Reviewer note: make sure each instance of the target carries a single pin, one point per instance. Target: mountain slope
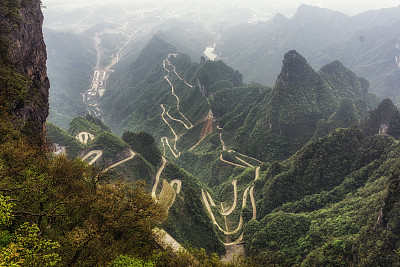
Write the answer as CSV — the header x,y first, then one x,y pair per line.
x,y
131,159
321,205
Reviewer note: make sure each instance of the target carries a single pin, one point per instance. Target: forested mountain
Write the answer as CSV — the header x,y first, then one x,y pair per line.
x,y
366,43
268,124
182,159
330,203
221,129
147,164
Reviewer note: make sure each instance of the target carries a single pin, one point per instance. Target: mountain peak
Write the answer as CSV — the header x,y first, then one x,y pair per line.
x,y
310,13
333,66
299,99
294,67
344,81
292,55
279,18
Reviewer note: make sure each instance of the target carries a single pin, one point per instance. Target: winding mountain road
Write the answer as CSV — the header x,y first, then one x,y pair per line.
x,y
153,191
185,121
166,77
133,154
98,154
231,163
233,151
164,139
84,137
248,191
178,120
178,184
228,212
207,204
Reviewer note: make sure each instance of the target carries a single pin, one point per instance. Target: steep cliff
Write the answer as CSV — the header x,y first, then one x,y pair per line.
x,y
24,82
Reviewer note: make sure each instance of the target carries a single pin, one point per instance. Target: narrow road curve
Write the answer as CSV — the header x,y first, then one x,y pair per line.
x,y
178,184
233,151
98,154
84,137
164,139
222,142
178,120
153,191
228,212
257,174
133,154
249,191
188,125
231,163
238,241
253,203
166,77
165,142
245,162
177,75
177,101
213,218
211,200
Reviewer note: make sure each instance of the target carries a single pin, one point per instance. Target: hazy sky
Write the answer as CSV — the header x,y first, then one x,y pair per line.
x,y
350,7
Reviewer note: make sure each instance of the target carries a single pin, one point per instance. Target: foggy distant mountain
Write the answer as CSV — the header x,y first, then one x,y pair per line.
x,y
366,43
70,64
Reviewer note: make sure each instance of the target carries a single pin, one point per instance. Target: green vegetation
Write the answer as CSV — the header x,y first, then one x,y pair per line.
x,y
187,220
13,86
92,222
384,119
109,143
345,116
87,124
315,218
327,195
144,144
144,167
128,261
306,204
56,135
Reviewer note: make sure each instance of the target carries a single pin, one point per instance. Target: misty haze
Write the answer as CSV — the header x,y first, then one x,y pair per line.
x,y
199,133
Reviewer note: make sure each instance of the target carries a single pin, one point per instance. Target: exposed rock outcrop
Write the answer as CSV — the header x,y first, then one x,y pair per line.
x,y
27,55
385,119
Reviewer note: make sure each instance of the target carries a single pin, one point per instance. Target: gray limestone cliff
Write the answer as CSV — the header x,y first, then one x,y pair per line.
x,y
21,22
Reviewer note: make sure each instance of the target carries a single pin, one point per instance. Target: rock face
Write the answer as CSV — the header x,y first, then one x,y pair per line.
x,y
385,119
27,55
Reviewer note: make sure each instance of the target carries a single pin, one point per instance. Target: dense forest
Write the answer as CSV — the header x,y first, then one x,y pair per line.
x,y
304,173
